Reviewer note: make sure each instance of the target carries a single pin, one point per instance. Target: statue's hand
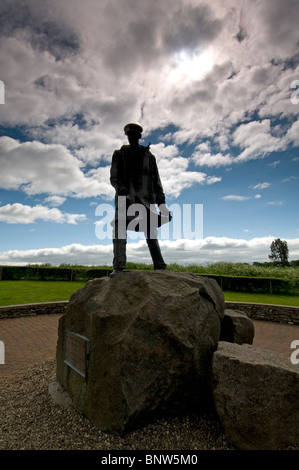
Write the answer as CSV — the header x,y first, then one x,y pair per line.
x,y
164,211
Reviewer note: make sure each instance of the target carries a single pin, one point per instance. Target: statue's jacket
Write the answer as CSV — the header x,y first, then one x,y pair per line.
x,y
134,174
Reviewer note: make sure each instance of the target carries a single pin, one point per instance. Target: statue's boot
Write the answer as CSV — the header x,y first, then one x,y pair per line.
x,y
120,258
156,254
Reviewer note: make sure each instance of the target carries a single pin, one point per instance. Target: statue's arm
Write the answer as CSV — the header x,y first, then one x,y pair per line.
x,y
117,174
158,188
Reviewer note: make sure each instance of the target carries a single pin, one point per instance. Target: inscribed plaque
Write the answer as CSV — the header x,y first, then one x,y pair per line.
x,y
76,352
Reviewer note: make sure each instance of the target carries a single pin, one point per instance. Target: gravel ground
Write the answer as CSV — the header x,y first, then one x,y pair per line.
x,y
31,420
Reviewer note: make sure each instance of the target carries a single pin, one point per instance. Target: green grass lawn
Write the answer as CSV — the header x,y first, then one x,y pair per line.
x,y
291,300
25,292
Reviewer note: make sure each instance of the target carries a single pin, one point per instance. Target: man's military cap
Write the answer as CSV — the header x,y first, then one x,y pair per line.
x,y
133,128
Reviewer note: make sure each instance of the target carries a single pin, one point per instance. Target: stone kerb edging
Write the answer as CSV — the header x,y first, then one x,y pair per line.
x,y
26,310
265,312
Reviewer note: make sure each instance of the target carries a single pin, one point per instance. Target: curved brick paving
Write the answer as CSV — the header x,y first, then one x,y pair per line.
x,y
32,340
28,341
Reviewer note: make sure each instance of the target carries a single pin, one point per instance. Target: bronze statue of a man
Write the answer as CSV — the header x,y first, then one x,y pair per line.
x,y
135,177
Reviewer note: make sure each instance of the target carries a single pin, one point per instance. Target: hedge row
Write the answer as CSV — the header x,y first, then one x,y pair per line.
x,y
28,273
227,283
257,285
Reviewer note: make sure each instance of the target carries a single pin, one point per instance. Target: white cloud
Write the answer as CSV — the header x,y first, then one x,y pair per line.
x,y
262,186
257,140
274,164
55,200
293,132
23,214
290,178
184,252
275,203
207,159
213,179
174,171
162,151
234,197
39,168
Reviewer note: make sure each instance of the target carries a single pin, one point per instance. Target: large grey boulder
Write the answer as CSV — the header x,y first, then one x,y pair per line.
x,y
151,337
256,395
236,327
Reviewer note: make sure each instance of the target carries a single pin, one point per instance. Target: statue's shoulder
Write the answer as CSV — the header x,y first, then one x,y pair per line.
x,y
146,149
120,152
124,149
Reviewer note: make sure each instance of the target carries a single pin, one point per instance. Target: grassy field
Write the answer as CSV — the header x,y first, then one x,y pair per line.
x,y
27,292
24,292
291,300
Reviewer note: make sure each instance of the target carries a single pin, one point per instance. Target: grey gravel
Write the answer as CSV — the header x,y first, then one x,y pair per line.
x,y
31,420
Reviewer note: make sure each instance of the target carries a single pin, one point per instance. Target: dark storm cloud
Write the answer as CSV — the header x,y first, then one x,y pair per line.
x,y
33,22
190,27
144,36
280,20
201,66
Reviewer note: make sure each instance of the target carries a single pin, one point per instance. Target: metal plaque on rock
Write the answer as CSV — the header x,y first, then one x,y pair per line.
x,y
76,352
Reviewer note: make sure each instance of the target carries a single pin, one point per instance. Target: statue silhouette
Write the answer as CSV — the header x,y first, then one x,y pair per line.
x,y
134,175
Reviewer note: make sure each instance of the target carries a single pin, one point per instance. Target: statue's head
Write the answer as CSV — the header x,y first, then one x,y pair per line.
x,y
133,132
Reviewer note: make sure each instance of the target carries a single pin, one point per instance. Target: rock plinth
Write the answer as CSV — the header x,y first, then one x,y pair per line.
x,y
256,395
151,337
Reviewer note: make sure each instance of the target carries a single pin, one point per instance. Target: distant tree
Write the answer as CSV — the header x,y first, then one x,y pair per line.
x,y
279,252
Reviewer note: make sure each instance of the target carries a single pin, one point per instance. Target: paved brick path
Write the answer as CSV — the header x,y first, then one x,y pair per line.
x,y
31,340
28,341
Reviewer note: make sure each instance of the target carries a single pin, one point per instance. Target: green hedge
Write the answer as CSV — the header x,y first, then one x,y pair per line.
x,y
15,273
256,285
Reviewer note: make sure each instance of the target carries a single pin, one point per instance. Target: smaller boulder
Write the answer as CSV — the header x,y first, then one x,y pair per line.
x,y
255,393
236,327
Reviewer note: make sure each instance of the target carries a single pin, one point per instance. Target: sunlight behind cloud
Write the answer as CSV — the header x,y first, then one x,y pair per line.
x,y
190,66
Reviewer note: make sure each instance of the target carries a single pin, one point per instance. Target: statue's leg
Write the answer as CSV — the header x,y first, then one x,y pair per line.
x,y
155,252
151,235
119,252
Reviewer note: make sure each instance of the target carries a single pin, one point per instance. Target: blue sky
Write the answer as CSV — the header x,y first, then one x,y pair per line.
x,y
214,85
